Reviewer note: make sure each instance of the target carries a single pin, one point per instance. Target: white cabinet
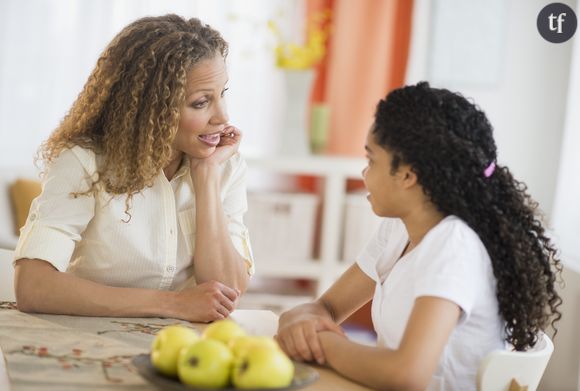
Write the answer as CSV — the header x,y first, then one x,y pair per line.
x,y
332,174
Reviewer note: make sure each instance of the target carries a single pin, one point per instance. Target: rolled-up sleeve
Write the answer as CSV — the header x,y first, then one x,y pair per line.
x,y
57,218
235,206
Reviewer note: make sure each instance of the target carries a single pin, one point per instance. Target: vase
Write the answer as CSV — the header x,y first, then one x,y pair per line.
x,y
294,140
319,121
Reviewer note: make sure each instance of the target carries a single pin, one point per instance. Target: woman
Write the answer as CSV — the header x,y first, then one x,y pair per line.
x,y
144,191
459,266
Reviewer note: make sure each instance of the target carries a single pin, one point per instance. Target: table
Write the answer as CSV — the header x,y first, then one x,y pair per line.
x,y
66,353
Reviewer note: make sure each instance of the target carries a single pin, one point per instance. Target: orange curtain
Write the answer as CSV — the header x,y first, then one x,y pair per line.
x,y
366,58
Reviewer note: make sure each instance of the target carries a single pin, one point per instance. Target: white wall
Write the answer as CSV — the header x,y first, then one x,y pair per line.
x,y
526,102
566,216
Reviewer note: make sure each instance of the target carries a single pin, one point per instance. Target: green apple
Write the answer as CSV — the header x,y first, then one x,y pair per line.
x,y
262,367
239,344
205,364
223,330
166,346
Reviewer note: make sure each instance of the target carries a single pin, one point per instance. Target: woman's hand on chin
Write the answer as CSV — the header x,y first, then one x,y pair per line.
x,y
227,147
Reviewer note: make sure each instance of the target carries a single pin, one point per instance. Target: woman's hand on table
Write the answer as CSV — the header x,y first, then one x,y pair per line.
x,y
206,302
299,338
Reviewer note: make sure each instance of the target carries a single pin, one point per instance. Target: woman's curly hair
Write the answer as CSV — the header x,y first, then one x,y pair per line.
x,y
448,143
128,111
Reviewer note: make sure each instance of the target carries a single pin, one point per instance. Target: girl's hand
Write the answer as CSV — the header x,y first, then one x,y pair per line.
x,y
299,337
206,302
227,147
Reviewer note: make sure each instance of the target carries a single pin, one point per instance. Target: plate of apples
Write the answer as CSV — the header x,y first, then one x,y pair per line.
x,y
222,357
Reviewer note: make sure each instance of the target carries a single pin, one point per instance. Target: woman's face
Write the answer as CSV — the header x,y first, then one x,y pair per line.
x,y
385,189
203,115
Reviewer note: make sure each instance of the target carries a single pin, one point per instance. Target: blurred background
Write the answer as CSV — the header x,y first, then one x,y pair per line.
x,y
305,76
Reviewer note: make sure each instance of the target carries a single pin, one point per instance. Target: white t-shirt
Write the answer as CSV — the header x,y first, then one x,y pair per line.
x,y
450,262
87,236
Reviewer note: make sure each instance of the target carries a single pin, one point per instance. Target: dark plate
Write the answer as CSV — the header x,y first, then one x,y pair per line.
x,y
303,375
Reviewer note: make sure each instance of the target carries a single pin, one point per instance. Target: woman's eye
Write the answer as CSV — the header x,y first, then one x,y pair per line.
x,y
224,92
199,105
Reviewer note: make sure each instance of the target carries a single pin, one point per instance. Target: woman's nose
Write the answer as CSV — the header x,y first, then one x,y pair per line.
x,y
221,114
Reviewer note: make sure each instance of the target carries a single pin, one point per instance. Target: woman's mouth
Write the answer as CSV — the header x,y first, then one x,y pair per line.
x,y
211,140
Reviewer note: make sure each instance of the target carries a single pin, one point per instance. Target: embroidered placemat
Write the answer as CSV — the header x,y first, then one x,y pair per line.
x,y
70,352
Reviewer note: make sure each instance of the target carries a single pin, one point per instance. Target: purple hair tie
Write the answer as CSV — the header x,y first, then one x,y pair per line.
x,y
489,170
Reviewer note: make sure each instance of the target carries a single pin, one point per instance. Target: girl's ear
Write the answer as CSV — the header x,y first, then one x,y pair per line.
x,y
407,176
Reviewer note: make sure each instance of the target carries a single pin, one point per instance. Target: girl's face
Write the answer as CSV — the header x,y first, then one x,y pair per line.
x,y
386,190
203,116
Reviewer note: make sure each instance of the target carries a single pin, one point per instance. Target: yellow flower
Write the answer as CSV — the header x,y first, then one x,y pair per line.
x,y
297,57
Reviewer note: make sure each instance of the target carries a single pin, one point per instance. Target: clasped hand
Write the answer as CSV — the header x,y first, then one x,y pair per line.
x,y
298,337
207,302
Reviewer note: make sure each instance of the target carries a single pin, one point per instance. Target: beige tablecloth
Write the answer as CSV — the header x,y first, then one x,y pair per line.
x,y
61,352
70,353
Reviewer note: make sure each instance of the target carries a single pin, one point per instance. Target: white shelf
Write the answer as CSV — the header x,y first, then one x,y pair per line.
x,y
334,172
312,165
290,269
311,269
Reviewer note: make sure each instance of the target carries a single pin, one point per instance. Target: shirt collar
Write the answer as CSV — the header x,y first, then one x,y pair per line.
x,y
183,167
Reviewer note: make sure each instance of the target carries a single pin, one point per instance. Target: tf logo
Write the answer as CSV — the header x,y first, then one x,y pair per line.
x,y
557,23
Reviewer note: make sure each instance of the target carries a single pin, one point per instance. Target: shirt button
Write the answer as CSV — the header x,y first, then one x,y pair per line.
x,y
171,231
33,217
170,268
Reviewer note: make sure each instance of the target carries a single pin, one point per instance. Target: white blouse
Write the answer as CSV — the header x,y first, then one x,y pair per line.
x,y
90,237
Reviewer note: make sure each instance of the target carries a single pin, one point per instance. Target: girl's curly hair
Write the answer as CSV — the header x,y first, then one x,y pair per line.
x,y
128,111
448,143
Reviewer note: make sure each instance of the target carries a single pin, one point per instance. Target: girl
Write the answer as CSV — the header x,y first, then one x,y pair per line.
x,y
459,265
144,192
